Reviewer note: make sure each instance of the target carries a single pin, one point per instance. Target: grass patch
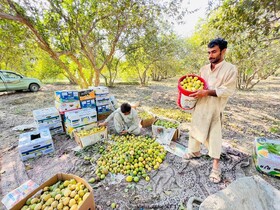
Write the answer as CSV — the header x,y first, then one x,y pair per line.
x,y
275,128
174,114
127,83
18,111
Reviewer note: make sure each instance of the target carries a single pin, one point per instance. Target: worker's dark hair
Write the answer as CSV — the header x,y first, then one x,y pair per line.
x,y
125,107
220,42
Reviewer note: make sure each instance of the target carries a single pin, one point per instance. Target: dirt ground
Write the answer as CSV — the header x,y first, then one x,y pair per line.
x,y
249,114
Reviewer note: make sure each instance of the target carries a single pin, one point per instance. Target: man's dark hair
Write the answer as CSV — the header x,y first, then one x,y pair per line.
x,y
220,42
125,107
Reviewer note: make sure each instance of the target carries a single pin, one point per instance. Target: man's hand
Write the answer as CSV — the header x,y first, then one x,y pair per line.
x,y
102,124
124,132
199,94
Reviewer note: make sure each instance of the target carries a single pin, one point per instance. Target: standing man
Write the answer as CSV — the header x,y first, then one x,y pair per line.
x,y
206,125
125,120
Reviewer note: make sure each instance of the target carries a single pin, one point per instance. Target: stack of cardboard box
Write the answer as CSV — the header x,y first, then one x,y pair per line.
x,y
48,118
71,105
67,100
103,102
87,99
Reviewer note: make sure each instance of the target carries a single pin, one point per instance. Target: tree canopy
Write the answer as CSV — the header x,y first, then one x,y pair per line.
x,y
86,33
252,31
133,39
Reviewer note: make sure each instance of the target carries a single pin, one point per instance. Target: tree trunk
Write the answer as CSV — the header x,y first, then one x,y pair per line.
x,y
72,82
105,79
97,78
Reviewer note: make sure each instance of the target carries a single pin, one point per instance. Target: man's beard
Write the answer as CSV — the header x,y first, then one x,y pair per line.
x,y
216,60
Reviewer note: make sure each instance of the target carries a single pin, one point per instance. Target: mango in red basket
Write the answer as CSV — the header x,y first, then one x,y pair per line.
x,y
191,83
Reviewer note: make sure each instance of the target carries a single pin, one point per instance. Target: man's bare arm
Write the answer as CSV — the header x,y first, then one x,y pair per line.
x,y
203,93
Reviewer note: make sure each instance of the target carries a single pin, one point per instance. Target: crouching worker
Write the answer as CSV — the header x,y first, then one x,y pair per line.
x,y
125,120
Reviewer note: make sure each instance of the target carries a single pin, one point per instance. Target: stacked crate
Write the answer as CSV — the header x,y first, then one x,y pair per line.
x,y
87,99
71,105
48,118
102,100
67,100
79,118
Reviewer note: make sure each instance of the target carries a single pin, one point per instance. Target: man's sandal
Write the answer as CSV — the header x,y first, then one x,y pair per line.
x,y
191,155
215,176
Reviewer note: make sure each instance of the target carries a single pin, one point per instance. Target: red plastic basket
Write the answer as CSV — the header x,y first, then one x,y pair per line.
x,y
187,92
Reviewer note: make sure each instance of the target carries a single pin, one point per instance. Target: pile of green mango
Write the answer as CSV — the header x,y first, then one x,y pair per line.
x,y
166,124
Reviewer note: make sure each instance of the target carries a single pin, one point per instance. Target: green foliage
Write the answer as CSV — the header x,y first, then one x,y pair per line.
x,y
128,73
45,68
275,128
195,56
88,33
13,47
252,29
154,55
170,61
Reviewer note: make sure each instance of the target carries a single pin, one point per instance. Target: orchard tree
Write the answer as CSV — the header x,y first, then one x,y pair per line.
x,y
171,60
45,68
111,71
252,28
86,33
195,47
13,46
152,51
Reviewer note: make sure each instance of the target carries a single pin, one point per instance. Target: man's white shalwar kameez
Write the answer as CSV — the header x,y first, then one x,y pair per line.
x,y
122,122
206,126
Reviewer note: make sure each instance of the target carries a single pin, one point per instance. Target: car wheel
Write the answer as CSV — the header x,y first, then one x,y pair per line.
x,y
34,87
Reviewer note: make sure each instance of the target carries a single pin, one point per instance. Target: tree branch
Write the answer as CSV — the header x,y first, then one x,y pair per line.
x,y
10,17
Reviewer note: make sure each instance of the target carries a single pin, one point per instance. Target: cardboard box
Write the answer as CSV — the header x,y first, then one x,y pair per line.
x,y
66,95
55,128
69,129
86,94
160,130
49,121
147,122
46,116
102,101
19,193
35,143
266,161
101,95
88,104
103,109
90,139
67,106
88,203
100,90
113,103
80,117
